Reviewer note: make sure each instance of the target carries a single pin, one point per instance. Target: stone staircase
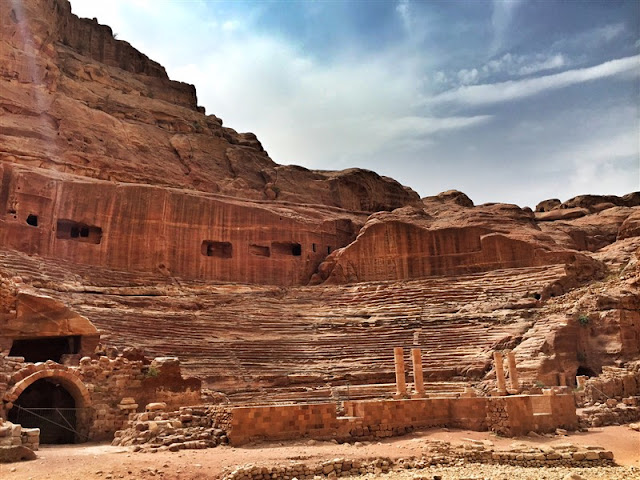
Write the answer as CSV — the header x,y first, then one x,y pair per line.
x,y
299,343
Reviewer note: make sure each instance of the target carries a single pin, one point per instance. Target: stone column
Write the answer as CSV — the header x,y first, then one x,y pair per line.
x,y
562,379
401,384
418,379
581,380
513,371
497,358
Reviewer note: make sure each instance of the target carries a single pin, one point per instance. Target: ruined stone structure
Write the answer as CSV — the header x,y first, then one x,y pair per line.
x,y
85,402
130,217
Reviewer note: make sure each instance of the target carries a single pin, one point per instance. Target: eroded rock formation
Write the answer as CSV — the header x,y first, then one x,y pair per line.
x,y
128,212
77,100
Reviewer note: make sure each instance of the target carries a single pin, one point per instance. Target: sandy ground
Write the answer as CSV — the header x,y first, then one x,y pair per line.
x,y
101,461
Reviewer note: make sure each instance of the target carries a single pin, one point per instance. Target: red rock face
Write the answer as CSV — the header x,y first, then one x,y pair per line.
x,y
456,239
77,100
144,228
130,207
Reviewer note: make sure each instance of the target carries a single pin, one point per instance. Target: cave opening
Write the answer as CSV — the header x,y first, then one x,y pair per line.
x,y
210,248
32,220
49,406
259,250
287,248
45,348
585,371
70,230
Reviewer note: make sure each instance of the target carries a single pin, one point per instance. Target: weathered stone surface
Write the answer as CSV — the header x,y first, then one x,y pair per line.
x,y
104,110
561,214
630,227
124,206
16,453
591,202
590,232
548,205
410,243
450,196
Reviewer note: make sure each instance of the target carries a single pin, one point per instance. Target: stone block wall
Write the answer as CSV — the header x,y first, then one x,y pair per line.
x,y
509,416
159,429
611,412
107,390
280,422
12,434
436,454
612,383
519,414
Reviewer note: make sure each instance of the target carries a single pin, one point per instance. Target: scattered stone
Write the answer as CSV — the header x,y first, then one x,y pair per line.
x,y
16,453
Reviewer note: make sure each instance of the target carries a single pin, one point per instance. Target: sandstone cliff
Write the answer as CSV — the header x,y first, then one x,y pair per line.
x,y
77,100
124,207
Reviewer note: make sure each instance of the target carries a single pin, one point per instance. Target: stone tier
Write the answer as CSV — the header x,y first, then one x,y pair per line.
x,y
242,339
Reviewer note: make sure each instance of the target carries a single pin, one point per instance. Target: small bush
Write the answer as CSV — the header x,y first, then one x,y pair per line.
x,y
151,372
583,319
539,384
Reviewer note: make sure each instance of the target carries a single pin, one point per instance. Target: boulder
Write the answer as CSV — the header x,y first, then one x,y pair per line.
x,y
16,453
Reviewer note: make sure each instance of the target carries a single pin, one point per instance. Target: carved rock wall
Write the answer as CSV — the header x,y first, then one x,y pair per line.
x,y
136,227
144,228
393,250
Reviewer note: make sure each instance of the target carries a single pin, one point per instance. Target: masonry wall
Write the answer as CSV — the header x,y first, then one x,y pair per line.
x,y
510,416
519,414
283,422
107,390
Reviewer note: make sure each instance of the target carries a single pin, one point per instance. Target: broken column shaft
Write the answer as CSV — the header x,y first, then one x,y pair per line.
x,y
513,372
499,366
401,384
418,378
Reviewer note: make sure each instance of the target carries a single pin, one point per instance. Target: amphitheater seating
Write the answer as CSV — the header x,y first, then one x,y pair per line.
x,y
306,343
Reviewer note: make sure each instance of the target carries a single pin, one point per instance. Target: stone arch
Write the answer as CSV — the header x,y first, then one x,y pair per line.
x,y
67,379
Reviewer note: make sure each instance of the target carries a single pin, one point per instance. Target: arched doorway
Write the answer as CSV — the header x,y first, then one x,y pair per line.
x,y
48,405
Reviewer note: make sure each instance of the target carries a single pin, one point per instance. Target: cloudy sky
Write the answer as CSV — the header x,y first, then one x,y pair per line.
x,y
506,100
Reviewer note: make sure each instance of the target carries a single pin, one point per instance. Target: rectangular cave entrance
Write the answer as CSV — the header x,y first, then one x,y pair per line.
x,y
70,230
287,248
210,248
259,250
45,348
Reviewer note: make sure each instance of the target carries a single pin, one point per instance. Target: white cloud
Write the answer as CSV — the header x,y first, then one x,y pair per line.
x,y
518,89
522,65
550,63
591,39
405,15
503,11
373,109
508,65
613,164
468,77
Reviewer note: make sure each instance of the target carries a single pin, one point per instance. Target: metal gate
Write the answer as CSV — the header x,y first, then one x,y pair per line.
x,y
57,425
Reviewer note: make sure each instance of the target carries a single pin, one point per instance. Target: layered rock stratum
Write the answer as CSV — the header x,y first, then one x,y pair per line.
x,y
125,206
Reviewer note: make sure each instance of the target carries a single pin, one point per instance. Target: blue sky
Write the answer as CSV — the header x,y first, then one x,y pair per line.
x,y
513,101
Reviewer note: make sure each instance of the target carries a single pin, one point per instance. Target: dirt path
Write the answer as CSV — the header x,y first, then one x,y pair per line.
x,y
99,461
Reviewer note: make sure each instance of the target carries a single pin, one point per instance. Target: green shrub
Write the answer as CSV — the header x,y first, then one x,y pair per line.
x,y
583,319
151,372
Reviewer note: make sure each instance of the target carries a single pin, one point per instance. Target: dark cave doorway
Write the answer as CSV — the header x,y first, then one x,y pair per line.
x,y
45,348
585,371
49,406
